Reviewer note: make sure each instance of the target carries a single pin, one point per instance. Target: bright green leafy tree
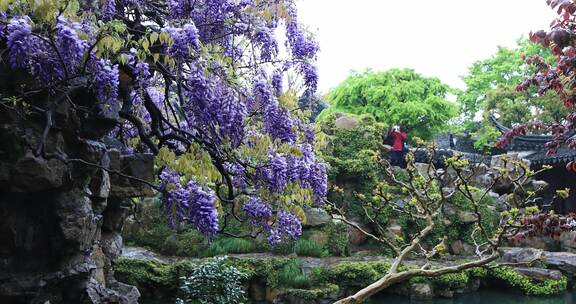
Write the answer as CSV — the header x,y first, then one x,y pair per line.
x,y
491,87
395,97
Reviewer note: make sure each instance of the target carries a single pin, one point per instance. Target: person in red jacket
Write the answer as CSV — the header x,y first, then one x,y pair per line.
x,y
398,137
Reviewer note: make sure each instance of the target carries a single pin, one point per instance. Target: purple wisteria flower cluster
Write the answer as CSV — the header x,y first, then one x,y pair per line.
x,y
305,170
196,74
189,203
54,62
287,226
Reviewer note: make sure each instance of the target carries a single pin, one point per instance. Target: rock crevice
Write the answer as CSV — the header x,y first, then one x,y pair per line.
x,y
62,220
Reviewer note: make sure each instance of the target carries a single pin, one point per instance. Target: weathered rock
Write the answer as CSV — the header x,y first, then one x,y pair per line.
x,y
462,215
539,274
272,294
460,248
425,170
121,293
316,217
319,237
78,223
467,217
395,228
346,122
61,221
449,175
33,174
539,185
356,236
257,290
482,176
524,256
337,219
563,261
100,185
568,241
539,242
137,165
444,293
421,291
502,202
507,162
493,195
115,215
472,286
100,261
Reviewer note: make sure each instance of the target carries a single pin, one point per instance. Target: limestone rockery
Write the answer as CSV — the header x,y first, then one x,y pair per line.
x,y
62,208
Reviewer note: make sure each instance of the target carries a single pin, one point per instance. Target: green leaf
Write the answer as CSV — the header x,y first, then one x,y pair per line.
x,y
153,37
123,59
164,37
145,43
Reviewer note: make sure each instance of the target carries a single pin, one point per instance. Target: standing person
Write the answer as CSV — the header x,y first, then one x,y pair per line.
x,y
397,154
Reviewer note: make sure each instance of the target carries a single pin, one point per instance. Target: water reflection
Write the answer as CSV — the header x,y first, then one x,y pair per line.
x,y
483,297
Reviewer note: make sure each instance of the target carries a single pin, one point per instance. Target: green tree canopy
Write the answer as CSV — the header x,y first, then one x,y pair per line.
x,y
491,87
395,97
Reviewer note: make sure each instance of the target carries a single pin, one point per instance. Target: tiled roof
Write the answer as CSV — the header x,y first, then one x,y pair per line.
x,y
562,156
536,143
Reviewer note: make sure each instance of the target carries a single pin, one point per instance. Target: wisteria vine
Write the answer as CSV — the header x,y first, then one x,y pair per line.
x,y
198,83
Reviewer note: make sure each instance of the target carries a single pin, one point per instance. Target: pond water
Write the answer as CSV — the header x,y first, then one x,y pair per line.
x,y
480,297
483,297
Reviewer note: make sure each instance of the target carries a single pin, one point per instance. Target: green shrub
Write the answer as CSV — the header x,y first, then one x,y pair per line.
x,y
352,163
313,294
151,230
338,239
291,275
192,244
525,284
353,275
277,272
152,275
213,282
309,248
284,248
477,272
235,245
456,230
451,281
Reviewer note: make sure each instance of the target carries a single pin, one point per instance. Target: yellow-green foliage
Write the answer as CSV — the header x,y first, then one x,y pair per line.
x,y
525,284
338,239
352,155
456,229
287,274
356,275
395,97
350,151
450,281
151,274
277,272
352,275
315,293
153,233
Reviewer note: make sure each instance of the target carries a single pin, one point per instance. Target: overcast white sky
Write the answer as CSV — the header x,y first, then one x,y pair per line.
x,y
440,38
